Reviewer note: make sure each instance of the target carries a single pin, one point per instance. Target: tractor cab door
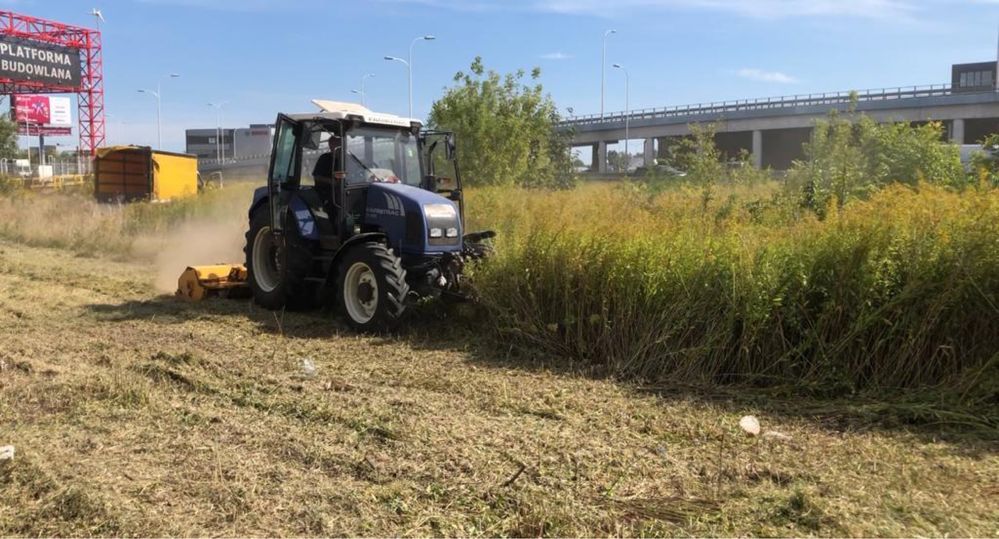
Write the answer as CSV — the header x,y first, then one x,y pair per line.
x,y
440,164
284,175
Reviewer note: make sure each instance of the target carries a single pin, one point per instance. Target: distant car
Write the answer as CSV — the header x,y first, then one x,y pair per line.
x,y
660,170
23,167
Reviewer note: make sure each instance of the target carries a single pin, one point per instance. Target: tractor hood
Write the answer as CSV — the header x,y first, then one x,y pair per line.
x,y
417,222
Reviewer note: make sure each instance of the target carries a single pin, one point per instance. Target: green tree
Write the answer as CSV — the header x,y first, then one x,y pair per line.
x,y
700,157
851,156
617,161
8,138
506,129
986,162
834,166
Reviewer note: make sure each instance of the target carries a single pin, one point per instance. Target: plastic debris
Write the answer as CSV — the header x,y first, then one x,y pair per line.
x,y
6,452
750,425
308,367
774,435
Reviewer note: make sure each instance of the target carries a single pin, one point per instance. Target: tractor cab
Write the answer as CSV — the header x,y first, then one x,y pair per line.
x,y
345,182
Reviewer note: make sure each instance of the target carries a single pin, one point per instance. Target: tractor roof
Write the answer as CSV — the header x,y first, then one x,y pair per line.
x,y
339,110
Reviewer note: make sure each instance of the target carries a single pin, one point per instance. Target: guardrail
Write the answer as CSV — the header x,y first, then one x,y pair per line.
x,y
764,103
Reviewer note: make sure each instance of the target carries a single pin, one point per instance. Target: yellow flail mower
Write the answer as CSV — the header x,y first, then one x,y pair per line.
x,y
222,280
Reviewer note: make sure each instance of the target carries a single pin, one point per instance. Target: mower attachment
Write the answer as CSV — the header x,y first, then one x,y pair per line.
x,y
223,280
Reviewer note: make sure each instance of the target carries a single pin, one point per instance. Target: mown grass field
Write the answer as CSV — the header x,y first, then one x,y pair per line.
x,y
135,414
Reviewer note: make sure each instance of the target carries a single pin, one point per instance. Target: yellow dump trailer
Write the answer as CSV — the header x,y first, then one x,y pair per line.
x,y
124,173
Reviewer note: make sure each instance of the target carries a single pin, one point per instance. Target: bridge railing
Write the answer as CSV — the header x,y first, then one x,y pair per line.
x,y
763,103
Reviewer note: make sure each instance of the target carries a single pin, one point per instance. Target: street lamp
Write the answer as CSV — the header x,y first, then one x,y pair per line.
x,y
404,62
409,66
365,76
627,114
159,112
98,17
219,148
603,68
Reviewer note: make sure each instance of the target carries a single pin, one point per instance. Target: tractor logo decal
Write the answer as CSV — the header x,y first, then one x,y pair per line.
x,y
305,222
393,207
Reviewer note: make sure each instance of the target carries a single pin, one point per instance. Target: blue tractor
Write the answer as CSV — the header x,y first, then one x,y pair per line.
x,y
361,210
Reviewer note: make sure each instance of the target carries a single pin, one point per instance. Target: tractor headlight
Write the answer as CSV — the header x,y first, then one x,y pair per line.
x,y
442,224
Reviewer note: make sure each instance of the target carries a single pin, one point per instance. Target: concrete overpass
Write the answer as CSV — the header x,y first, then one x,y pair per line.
x,y
774,129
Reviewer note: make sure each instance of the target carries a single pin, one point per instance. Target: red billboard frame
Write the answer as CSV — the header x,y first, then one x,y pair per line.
x,y
90,93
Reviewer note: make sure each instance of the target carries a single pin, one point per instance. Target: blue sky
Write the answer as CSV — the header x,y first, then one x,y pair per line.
x,y
265,56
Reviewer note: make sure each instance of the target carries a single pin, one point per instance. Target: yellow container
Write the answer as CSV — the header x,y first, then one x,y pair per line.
x,y
124,173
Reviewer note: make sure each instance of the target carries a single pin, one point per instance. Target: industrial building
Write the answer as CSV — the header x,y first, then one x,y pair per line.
x,y
243,150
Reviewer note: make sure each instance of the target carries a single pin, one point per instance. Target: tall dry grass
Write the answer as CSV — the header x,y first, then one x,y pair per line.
x,y
735,283
206,229
900,290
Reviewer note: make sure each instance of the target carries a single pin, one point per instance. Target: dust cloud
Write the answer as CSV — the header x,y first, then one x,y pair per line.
x,y
195,243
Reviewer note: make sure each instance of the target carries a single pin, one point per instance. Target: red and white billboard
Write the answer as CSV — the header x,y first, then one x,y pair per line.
x,y
42,114
43,110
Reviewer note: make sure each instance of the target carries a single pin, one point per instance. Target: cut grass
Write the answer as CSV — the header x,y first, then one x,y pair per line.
x,y
139,415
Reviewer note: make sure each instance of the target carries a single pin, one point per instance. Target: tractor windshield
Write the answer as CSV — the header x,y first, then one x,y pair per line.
x,y
381,155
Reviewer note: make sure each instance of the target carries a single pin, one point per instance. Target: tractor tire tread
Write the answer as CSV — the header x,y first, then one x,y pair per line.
x,y
392,275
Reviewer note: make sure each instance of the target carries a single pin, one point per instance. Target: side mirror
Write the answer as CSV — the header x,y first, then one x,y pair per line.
x,y
449,149
445,184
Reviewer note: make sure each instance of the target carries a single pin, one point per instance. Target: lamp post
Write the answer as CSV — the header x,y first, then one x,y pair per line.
x,y
603,68
219,133
627,114
159,111
404,62
98,17
409,66
363,77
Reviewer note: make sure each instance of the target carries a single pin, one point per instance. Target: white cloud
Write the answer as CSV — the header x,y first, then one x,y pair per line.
x,y
762,9
218,5
902,10
557,55
765,76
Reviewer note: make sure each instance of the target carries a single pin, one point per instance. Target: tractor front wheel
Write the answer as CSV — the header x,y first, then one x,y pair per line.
x,y
372,287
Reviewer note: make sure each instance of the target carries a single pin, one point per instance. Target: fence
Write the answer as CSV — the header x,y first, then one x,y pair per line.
x,y
53,182
61,167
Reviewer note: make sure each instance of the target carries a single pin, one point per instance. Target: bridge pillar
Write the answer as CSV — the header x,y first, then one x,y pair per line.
x,y
599,158
650,152
957,131
758,148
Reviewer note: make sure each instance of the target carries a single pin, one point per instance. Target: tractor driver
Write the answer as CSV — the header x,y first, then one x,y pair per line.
x,y
326,166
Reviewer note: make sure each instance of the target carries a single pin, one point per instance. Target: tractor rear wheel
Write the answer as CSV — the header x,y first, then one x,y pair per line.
x,y
372,287
277,273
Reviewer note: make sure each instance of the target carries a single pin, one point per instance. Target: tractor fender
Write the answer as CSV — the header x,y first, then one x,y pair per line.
x,y
297,208
350,242
260,197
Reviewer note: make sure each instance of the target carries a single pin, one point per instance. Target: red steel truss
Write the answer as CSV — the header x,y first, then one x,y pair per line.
x,y
90,93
